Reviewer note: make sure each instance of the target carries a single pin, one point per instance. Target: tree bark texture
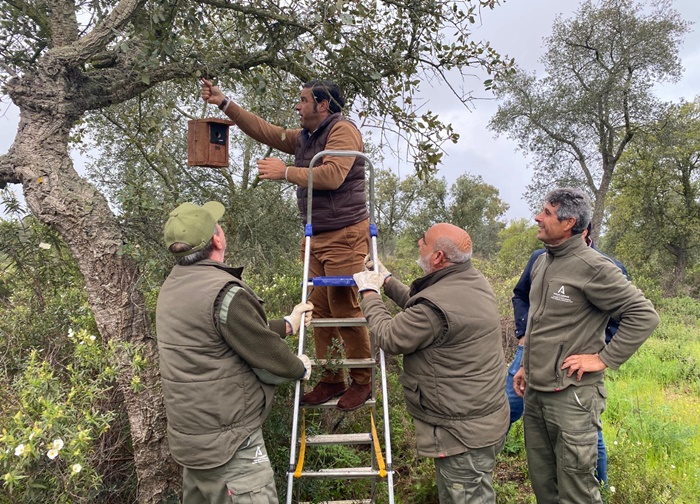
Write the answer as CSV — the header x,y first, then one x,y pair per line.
x,y
59,197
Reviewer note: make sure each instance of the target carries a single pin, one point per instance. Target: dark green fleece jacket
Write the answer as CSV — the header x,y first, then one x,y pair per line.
x,y
575,290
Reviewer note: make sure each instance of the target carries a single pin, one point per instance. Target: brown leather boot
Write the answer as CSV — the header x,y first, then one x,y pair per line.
x,y
323,392
355,396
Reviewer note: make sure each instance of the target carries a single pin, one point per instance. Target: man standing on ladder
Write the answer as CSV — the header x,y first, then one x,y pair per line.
x,y
454,369
340,220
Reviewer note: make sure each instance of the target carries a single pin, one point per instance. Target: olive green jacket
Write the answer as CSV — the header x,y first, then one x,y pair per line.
x,y
216,348
575,290
454,369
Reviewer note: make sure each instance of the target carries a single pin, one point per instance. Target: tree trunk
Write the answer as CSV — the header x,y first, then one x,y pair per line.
x,y
57,196
675,280
601,193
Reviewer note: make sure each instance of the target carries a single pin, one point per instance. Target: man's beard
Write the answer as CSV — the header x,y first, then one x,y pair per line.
x,y
424,264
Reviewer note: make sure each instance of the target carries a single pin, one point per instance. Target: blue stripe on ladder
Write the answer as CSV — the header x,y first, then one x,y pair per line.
x,y
333,281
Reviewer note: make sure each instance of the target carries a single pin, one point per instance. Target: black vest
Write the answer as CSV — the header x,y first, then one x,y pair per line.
x,y
331,209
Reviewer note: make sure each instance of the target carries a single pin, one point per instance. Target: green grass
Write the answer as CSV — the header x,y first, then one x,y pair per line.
x,y
651,425
652,422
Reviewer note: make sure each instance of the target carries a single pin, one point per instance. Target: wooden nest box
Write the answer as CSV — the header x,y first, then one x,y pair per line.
x,y
207,142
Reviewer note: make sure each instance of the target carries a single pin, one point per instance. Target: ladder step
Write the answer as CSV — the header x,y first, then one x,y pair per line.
x,y
333,404
339,322
332,439
332,281
345,363
342,473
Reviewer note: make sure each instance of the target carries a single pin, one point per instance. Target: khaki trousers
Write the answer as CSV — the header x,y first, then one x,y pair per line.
x,y
246,478
335,253
467,478
561,443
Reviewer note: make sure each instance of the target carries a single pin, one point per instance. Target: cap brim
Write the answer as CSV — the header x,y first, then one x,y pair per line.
x,y
215,208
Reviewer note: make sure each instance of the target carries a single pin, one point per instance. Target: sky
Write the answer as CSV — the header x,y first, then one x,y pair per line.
x,y
517,29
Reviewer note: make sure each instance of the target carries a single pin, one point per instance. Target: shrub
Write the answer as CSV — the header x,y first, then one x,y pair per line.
x,y
54,421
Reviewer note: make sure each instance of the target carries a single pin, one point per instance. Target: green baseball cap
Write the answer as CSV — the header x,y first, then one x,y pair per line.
x,y
193,225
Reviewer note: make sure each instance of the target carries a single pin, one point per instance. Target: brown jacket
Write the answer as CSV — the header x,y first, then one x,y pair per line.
x,y
338,182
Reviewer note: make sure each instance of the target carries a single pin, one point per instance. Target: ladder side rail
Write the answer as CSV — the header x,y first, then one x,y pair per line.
x,y
385,395
298,384
387,433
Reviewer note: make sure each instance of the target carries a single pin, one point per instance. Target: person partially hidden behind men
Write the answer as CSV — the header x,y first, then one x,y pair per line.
x,y
220,359
340,220
575,290
454,369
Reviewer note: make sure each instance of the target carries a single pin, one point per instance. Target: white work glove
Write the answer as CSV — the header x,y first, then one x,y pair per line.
x,y
294,318
368,280
307,366
383,272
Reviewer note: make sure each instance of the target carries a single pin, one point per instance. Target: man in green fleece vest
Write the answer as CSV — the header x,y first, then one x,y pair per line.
x,y
454,371
220,359
575,290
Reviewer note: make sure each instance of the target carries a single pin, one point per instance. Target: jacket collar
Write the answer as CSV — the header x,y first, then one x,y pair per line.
x,y
237,272
432,278
569,247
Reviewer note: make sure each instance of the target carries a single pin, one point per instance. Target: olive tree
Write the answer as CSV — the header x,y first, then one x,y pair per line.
x,y
655,217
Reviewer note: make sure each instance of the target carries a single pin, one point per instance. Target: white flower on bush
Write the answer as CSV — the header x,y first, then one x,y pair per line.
x,y
57,444
20,450
76,468
93,337
70,332
612,489
45,246
52,453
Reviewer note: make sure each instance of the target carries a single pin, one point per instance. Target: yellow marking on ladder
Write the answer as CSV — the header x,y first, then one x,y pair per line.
x,y
377,448
302,447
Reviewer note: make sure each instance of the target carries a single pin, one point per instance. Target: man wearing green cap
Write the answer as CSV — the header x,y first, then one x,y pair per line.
x,y
220,359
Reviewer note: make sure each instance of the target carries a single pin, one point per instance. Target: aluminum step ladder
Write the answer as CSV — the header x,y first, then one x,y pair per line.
x,y
380,468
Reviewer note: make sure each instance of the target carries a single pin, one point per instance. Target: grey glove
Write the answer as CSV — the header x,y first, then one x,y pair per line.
x,y
383,272
294,318
307,366
368,280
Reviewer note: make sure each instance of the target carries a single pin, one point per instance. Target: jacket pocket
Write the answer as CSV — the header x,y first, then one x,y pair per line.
x,y
253,488
557,367
411,392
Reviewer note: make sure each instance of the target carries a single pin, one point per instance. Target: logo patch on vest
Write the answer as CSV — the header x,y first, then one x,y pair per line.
x,y
560,295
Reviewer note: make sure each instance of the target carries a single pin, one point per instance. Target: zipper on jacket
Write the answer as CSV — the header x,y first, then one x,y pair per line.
x,y
557,371
540,308
545,287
